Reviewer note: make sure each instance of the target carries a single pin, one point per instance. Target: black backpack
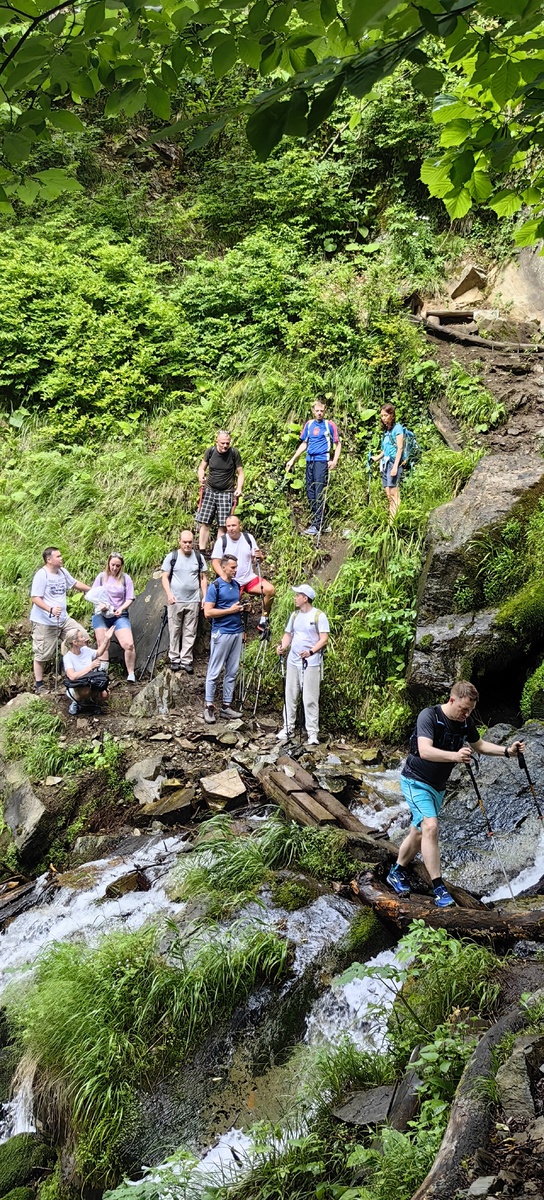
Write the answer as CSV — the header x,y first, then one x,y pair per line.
x,y
441,736
244,535
201,569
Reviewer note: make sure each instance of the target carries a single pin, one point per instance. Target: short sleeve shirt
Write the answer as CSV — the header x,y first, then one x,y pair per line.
x,y
185,581
319,435
222,595
118,589
446,735
52,587
76,662
242,550
222,468
389,441
306,629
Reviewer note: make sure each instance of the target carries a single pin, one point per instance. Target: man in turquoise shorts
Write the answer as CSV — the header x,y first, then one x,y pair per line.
x,y
444,735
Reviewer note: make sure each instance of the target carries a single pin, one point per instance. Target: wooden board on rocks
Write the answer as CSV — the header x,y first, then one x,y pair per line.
x,y
291,779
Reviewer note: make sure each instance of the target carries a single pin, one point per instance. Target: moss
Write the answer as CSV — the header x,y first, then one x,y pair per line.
x,y
20,1193
366,933
19,1158
326,856
426,641
532,697
293,893
523,614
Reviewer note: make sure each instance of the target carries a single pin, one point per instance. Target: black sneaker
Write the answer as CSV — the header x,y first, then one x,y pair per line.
x,y
39,688
175,666
442,897
397,880
188,670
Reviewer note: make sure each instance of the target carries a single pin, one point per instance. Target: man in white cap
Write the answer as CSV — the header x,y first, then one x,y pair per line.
x,y
306,635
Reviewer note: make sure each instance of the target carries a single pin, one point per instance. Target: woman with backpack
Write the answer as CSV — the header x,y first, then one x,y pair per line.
x,y
390,457
86,670
120,592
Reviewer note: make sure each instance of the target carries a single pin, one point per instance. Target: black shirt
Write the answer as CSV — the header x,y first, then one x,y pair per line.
x,y
222,468
445,734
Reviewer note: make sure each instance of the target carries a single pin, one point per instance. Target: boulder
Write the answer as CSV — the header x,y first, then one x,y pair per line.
x,y
158,697
24,812
147,791
134,881
145,768
507,329
514,1089
369,1107
146,619
22,1159
224,790
456,646
472,277
172,808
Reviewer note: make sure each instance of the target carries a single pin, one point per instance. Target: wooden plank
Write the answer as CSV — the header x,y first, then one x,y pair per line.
x,y
311,806
295,811
344,817
307,781
451,317
285,782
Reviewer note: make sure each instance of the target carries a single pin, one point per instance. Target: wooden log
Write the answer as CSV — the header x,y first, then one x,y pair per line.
x,y
479,924
286,783
451,316
471,1117
297,771
311,806
286,801
344,817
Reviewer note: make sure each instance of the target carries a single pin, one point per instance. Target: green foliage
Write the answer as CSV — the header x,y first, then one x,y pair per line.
x,y
324,853
20,1157
531,702
292,893
32,734
102,1022
328,1072
440,1063
523,614
20,1193
393,1169
471,401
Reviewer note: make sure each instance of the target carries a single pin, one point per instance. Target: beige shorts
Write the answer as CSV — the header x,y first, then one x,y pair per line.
x,y
44,637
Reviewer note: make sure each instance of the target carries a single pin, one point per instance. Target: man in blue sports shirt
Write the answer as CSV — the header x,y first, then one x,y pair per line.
x,y
316,441
223,607
445,734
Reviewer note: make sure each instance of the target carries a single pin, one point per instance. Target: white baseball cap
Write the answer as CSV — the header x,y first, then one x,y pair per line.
x,y
306,590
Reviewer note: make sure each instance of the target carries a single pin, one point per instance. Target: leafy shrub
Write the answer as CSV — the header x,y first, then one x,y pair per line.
x,y
470,400
32,734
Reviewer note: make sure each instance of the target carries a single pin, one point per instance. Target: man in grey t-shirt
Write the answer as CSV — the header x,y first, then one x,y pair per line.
x,y
48,616
185,583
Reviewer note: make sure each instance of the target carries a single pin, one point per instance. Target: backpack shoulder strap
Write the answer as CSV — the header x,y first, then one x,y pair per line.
x,y
173,562
248,538
223,543
124,587
201,563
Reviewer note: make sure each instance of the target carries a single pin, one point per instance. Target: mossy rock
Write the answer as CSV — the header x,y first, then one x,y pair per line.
x,y
366,933
19,1158
523,614
293,891
532,697
21,1193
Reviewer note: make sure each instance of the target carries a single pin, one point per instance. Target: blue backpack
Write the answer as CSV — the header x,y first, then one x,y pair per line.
x,y
411,452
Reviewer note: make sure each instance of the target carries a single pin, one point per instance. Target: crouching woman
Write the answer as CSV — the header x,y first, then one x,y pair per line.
x,y
86,675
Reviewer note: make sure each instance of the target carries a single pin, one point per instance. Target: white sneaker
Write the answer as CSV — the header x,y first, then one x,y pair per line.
x,y
312,742
131,678
283,736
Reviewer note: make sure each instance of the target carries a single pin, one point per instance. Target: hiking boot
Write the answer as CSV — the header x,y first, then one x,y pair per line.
x,y
131,678
209,714
175,666
442,897
39,688
227,711
74,709
311,531
397,880
312,742
188,670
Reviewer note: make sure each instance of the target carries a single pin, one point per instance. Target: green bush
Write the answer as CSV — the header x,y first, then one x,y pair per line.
x,y
533,688
20,1157
32,734
20,1193
471,401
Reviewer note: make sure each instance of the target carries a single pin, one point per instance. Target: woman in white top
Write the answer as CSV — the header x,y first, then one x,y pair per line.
x,y
78,661
120,591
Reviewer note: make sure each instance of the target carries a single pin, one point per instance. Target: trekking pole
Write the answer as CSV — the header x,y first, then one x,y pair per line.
x,y
369,474
301,726
283,688
323,503
258,565
523,765
57,659
262,654
489,829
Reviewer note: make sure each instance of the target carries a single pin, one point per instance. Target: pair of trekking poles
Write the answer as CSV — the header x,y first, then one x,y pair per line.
x,y
523,766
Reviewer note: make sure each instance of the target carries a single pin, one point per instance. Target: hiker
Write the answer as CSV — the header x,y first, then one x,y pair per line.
x,y
390,457
221,479
244,548
438,742
223,607
89,667
48,616
316,440
120,592
185,581
306,635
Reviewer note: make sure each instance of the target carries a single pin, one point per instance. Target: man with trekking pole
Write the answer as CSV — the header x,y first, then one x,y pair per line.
x,y
242,545
48,616
306,635
444,735
223,607
316,441
185,582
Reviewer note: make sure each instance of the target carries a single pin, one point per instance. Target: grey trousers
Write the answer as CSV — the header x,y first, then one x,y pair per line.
x,y
182,627
307,681
225,651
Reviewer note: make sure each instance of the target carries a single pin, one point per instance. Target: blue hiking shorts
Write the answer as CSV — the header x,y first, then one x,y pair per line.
x,y
100,621
423,799
387,479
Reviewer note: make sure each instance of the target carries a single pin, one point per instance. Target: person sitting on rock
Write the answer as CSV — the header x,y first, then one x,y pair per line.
x,y
243,546
86,681
316,440
120,591
444,735
223,607
49,619
185,581
221,479
306,635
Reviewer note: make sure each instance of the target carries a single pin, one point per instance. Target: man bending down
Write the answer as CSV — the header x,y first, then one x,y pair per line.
x,y
438,742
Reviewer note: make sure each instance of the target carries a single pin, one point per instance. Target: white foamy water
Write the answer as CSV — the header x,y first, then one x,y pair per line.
x,y
529,876
349,1011
17,1116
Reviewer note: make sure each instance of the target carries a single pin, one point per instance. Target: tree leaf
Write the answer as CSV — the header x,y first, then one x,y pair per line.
x,y
296,124
458,203
506,202
183,17
455,133
257,15
95,16
279,17
205,135
428,81
365,13
328,11
224,56
462,167
530,232
158,101
503,83
480,186
62,118
265,128
324,103
250,51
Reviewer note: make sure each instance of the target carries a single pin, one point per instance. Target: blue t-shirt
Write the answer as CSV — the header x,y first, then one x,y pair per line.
x,y
389,441
222,595
320,436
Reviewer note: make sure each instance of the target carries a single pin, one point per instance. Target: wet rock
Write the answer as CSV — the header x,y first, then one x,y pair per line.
x,y
406,1101
507,329
24,812
173,807
145,768
21,1158
147,791
158,697
514,1089
472,277
369,1107
455,645
224,790
483,1186
134,881
92,845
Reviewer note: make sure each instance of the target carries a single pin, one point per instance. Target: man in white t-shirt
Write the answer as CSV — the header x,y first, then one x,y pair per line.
x,y
185,582
244,548
306,635
49,619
